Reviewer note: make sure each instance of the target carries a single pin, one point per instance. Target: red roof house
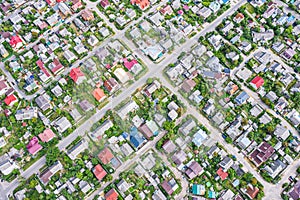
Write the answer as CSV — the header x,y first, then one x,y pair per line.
x,y
129,64
77,75
223,175
41,66
51,2
105,156
257,82
166,10
111,195
57,66
47,135
10,100
33,146
99,172
99,94
15,42
142,4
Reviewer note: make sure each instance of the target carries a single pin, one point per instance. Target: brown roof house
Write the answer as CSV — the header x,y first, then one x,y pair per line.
x,y
188,85
46,175
262,153
105,156
193,170
252,191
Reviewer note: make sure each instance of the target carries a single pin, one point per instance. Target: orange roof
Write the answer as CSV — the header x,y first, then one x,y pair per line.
x,y
111,195
141,3
47,135
99,94
105,156
99,172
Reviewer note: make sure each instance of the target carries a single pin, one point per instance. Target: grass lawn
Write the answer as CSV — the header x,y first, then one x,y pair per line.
x,y
250,8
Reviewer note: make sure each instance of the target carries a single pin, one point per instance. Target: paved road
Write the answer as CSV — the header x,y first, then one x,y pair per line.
x,y
155,70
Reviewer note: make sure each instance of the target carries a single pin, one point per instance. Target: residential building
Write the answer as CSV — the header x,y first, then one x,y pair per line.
x,y
46,175
262,153
33,146
62,124
99,172
105,155
77,149
77,75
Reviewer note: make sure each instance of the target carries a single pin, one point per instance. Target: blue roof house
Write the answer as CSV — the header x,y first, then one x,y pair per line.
x,y
242,98
136,138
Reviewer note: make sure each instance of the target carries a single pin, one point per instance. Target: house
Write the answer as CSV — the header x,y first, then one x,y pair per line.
x,y
76,4
288,54
28,113
282,132
142,4
252,191
6,164
104,4
33,146
227,27
56,67
172,115
3,87
16,42
77,149
77,76
263,36
69,56
215,6
151,88
215,41
99,95
238,18
262,153
123,186
242,98
158,195
205,12
87,15
99,132
111,85
271,96
188,85
136,138
295,191
275,168
228,195
187,126
257,82
167,10
294,116
99,172
198,189
126,149
127,108
47,135
199,137
122,75
169,186
43,102
169,146
179,157
193,170
3,52
84,186
62,124
10,100
46,175
245,46
226,163
111,195
223,175
64,9
105,156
